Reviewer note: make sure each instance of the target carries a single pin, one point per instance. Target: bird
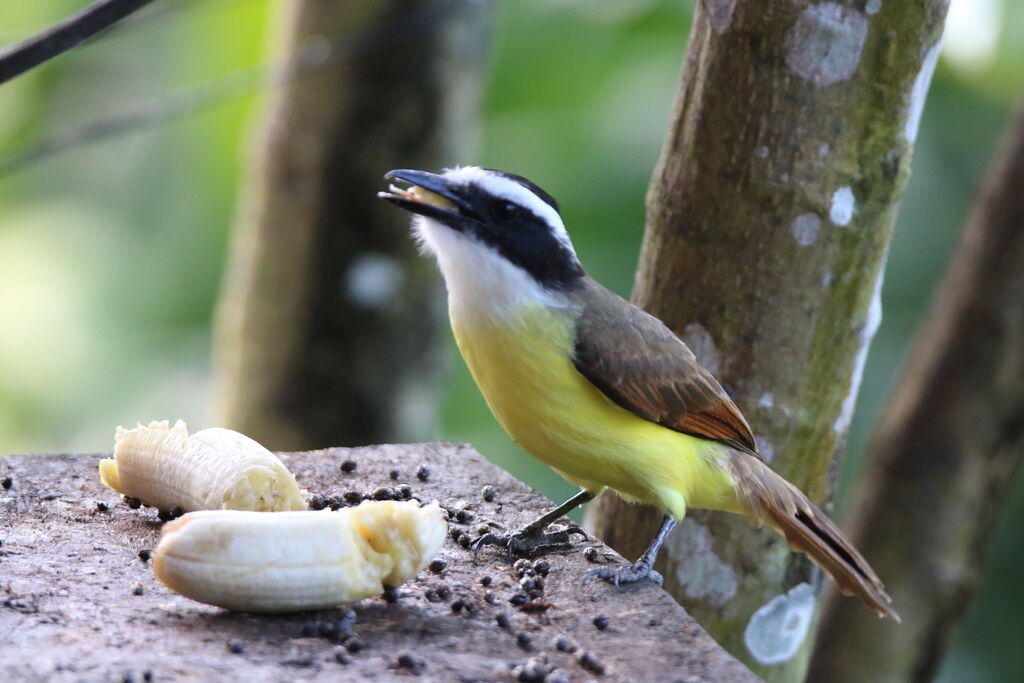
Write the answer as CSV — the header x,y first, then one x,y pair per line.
x,y
593,386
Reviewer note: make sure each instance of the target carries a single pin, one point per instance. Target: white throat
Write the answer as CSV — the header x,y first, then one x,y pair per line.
x,y
481,283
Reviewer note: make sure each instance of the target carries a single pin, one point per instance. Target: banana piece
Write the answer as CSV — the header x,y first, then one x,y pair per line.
x,y
212,469
290,561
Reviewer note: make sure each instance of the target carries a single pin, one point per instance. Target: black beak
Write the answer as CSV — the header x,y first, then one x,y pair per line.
x,y
455,212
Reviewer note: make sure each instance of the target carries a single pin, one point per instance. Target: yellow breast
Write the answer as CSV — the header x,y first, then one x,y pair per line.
x,y
522,363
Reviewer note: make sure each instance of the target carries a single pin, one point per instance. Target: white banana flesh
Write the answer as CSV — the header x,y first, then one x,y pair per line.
x,y
213,469
291,561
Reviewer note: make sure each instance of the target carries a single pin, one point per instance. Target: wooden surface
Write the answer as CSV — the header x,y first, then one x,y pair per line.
x,y
69,574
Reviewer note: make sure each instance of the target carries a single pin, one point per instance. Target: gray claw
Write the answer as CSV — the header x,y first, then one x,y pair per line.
x,y
630,574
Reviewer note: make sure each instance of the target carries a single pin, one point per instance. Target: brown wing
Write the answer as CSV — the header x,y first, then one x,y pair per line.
x,y
642,366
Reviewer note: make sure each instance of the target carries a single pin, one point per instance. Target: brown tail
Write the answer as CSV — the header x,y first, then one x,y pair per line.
x,y
765,494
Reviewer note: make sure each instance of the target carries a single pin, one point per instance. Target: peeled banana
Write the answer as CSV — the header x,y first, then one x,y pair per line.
x,y
290,561
212,469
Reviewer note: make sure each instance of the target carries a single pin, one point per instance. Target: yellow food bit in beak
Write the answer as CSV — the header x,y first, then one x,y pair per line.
x,y
428,197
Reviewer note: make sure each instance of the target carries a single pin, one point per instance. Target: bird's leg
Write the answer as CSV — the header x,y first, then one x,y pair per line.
x,y
532,536
644,567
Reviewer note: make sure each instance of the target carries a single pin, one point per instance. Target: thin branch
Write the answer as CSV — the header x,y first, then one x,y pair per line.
x,y
65,35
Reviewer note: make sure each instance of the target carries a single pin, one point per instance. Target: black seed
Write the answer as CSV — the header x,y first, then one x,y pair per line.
x,y
316,502
457,605
465,541
464,516
394,474
489,492
236,647
482,529
334,502
390,595
423,473
414,663
353,497
404,491
591,554
7,482
519,599
348,466
563,644
308,629
528,583
101,506
502,620
542,568
444,592
145,554
590,662
138,590
383,493
347,621
486,581
601,622
521,566
147,675
557,676
328,629
432,596
523,641
455,534
341,656
354,644
127,678
437,566
168,515
489,598
133,503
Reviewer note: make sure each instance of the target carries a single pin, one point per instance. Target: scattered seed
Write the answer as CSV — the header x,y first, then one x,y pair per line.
x,y
521,566
341,656
519,599
316,502
523,641
557,676
352,497
168,515
412,662
464,516
564,644
489,598
591,554
444,592
589,661
502,620
347,621
383,493
528,583
145,554
394,475
132,503
7,482
404,491
488,493
138,589
437,566
423,473
486,581
354,644
236,647
465,541
534,669
101,506
432,596
542,568
348,466
601,622
458,605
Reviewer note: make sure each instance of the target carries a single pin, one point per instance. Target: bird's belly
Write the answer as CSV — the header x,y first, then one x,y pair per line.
x,y
523,366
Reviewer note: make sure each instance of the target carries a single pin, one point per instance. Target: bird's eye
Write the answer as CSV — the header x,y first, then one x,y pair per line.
x,y
505,211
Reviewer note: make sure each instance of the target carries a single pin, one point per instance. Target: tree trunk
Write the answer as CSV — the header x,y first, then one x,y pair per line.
x,y
769,218
328,325
945,451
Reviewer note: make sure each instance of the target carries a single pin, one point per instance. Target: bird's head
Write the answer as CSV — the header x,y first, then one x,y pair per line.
x,y
476,218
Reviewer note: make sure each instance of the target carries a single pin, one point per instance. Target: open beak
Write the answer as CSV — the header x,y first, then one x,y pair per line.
x,y
428,194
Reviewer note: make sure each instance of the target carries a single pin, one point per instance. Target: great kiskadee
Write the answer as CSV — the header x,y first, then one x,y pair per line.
x,y
593,386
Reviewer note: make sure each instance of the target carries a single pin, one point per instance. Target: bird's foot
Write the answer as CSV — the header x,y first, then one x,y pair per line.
x,y
631,574
528,541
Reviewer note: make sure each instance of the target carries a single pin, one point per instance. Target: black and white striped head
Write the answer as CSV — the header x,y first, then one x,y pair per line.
x,y
489,213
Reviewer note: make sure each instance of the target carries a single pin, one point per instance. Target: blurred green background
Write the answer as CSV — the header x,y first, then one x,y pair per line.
x,y
111,251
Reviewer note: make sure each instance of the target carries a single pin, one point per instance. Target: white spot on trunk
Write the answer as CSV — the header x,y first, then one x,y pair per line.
x,y
765,448
824,149
778,628
843,206
872,6
701,572
826,277
919,93
867,333
767,400
805,228
373,279
720,14
784,177
703,346
761,152
825,43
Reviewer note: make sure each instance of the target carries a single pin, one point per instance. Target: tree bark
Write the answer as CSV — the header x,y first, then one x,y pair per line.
x,y
769,218
328,326
944,453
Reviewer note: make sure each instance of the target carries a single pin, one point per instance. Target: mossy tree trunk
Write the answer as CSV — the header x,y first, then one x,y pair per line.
x,y
328,326
945,451
769,219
